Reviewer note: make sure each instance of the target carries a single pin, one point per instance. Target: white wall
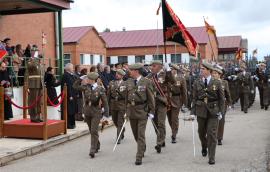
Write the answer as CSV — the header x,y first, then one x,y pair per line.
x,y
114,59
148,59
131,59
185,57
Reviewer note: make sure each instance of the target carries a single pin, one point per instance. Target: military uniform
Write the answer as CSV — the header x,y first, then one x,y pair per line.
x,y
116,97
140,103
161,83
264,88
94,99
208,102
178,97
245,87
34,81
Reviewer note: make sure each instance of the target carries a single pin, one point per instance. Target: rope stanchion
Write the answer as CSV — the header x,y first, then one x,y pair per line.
x,y
26,107
62,95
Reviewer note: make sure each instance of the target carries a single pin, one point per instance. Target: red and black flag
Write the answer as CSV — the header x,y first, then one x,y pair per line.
x,y
239,54
175,31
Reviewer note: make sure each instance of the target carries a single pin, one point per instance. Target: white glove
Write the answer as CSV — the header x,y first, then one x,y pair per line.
x,y
102,110
167,67
184,109
268,80
219,116
229,107
229,77
151,116
252,91
192,117
234,77
83,77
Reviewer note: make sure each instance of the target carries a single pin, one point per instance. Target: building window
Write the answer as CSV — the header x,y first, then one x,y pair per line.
x,y
91,59
139,59
67,59
101,58
158,57
108,60
122,59
176,58
82,61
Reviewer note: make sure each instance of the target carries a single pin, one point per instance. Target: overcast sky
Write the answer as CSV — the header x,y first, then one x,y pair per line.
x,y
248,18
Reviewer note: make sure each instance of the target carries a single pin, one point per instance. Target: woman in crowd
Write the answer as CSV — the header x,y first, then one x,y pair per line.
x,y
51,83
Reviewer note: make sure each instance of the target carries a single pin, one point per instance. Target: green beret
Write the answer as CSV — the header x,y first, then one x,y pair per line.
x,y
175,67
121,72
156,62
217,70
207,65
93,75
136,66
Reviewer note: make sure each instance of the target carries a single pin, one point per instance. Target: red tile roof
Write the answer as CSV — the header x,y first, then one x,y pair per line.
x,y
74,34
229,42
146,38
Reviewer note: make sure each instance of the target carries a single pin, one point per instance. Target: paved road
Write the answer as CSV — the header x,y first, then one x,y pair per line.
x,y
247,140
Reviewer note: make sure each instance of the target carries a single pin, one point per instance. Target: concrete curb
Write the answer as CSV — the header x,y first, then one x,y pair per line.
x,y
45,145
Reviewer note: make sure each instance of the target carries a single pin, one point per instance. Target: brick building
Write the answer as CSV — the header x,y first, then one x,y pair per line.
x,y
83,45
229,45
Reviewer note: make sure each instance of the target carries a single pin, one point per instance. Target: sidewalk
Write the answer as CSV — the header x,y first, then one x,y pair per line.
x,y
13,149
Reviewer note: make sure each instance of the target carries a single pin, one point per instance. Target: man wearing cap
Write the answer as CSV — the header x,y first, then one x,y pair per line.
x,y
161,78
208,106
95,100
140,106
34,80
263,85
246,87
178,97
217,74
116,98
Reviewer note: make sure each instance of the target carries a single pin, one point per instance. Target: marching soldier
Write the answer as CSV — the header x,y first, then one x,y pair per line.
x,y
233,84
34,81
246,87
208,106
116,97
263,85
161,78
140,105
95,98
217,74
178,97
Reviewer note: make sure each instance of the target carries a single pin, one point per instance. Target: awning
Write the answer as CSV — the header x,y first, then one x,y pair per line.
x,y
10,7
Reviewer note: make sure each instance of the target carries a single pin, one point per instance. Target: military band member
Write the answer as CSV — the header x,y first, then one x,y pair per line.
x,y
161,78
178,97
34,81
217,74
116,97
208,106
140,106
94,99
246,87
263,86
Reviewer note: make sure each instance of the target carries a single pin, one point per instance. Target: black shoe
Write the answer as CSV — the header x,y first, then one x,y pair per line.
x,y
211,162
242,109
245,111
119,142
98,147
204,152
138,162
92,155
163,145
71,127
266,107
219,142
158,148
174,140
35,121
262,107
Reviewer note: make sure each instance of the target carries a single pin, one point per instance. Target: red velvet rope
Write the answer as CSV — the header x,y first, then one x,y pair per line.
x,y
24,107
62,95
57,98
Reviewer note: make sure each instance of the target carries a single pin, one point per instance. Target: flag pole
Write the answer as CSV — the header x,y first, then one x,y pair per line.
x,y
213,54
164,36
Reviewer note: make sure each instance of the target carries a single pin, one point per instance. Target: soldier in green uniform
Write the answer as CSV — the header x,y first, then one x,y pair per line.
x,y
246,87
263,86
161,78
140,106
208,106
34,80
217,74
178,97
116,97
94,99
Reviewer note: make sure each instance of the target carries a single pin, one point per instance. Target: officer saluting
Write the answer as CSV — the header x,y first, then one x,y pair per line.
x,y
95,98
208,106
178,97
116,97
140,105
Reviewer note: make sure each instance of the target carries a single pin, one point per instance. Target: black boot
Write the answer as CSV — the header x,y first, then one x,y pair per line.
x,y
219,142
138,162
204,152
173,140
92,155
158,148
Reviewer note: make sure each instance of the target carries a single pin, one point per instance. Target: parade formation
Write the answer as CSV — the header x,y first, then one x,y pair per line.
x,y
156,92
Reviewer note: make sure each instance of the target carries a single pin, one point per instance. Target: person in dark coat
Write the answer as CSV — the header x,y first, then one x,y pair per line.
x,y
69,78
51,83
5,82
